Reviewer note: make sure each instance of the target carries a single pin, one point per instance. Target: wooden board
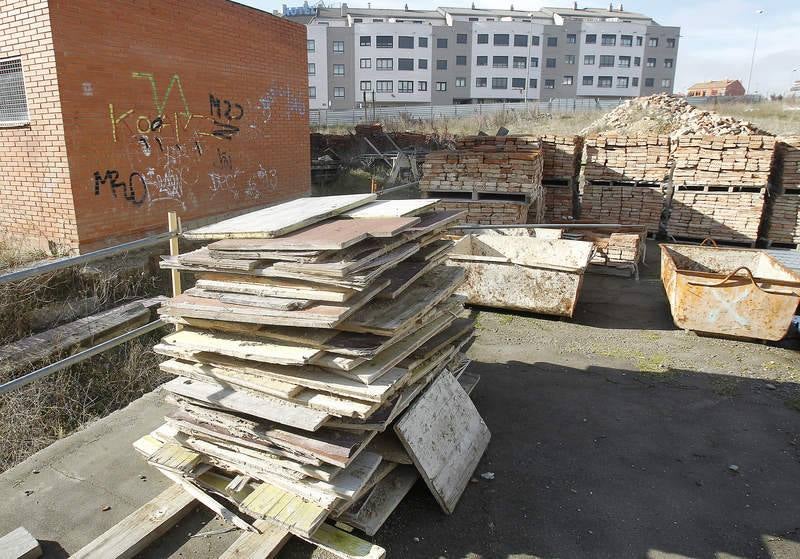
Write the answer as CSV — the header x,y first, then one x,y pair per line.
x,y
405,274
342,545
19,544
392,208
281,219
251,403
257,300
436,221
334,234
273,287
370,513
265,545
445,436
284,509
141,528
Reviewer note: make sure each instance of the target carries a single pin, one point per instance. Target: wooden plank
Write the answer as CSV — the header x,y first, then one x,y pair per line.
x,y
343,545
388,445
265,545
405,274
141,528
272,287
436,221
281,219
445,436
369,514
19,544
257,300
285,509
392,208
245,401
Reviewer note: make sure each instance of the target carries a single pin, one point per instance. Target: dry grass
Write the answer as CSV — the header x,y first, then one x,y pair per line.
x,y
12,256
780,118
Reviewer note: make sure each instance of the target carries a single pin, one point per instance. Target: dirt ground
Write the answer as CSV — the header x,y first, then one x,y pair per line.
x,y
614,435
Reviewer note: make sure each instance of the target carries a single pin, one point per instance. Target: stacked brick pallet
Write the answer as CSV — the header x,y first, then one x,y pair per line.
x,y
558,206
741,161
784,220
487,212
628,205
613,158
722,216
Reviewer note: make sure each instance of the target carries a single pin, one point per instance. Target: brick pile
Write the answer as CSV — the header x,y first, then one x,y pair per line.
x,y
788,150
562,156
487,212
622,158
557,204
723,160
627,205
722,216
518,172
784,221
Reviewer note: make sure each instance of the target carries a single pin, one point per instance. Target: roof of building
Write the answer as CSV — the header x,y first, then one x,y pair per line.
x,y
306,19
596,13
713,84
459,11
379,12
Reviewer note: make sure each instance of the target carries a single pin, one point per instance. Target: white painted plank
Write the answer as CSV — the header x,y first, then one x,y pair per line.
x,y
393,208
369,514
19,544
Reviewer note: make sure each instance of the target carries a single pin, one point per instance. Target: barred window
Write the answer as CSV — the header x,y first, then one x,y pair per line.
x,y
13,104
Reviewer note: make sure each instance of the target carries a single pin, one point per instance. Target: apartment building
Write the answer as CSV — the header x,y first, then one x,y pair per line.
x,y
470,55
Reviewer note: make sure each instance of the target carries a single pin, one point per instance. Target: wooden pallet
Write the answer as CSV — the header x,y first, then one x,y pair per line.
x,y
477,195
632,184
721,188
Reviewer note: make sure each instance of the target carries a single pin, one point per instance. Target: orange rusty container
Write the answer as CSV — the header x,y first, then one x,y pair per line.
x,y
745,293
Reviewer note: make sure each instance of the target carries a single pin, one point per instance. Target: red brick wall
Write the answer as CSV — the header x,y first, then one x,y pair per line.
x,y
35,192
230,83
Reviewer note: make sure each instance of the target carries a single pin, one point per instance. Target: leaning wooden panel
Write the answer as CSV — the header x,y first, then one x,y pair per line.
x,y
445,437
138,530
265,545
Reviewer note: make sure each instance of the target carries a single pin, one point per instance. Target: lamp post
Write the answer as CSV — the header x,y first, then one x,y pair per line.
x,y
755,44
528,61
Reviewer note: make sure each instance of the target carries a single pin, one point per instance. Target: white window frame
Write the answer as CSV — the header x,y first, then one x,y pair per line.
x,y
23,108
365,85
365,63
335,47
384,86
339,88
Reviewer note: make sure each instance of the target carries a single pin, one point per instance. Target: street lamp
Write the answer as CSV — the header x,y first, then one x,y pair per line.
x,y
755,44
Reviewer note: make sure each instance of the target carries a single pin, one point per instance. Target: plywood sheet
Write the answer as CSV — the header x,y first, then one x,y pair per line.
x,y
392,208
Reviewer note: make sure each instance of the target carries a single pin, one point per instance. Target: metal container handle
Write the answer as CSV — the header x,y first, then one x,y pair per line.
x,y
732,274
710,240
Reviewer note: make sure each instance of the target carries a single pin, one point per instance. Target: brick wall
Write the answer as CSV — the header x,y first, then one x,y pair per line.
x,y
35,192
198,107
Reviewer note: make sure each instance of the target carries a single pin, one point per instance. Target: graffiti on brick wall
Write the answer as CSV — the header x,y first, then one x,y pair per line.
x,y
166,142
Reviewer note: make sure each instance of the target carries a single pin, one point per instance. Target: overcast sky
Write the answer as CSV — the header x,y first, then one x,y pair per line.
x,y
716,35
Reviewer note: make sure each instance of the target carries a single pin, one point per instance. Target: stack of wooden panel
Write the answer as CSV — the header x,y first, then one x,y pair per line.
x,y
722,216
628,205
614,158
319,368
784,211
723,160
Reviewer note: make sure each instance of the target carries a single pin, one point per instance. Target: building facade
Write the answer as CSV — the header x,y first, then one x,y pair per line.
x,y
104,132
467,55
717,88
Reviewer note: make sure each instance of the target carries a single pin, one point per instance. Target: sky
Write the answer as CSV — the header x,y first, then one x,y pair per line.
x,y
717,36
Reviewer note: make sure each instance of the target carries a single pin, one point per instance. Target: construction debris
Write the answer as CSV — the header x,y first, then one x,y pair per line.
x,y
300,355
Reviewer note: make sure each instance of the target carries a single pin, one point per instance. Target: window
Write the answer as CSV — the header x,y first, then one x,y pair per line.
x,y
517,83
520,40
312,92
338,69
572,38
637,61
499,83
482,61
534,62
549,84
591,39
338,93
626,40
635,82
533,83
666,82
441,86
569,59
384,63
535,40
608,40
365,63
366,86
384,86
461,82
622,82
461,60
568,80
480,82
311,45
552,41
483,38
550,63
639,41
669,63
441,64
461,38
358,20
605,81
499,62
365,41
405,42
624,62
588,80
473,19
384,41
377,20
500,39
405,86
588,60
422,86
606,61
649,82
422,64
670,43
312,69
441,43
520,62
651,62
338,47
422,42
405,63
652,42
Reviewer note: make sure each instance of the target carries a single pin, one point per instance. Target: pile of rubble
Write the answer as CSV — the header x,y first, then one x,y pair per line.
x,y
665,114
